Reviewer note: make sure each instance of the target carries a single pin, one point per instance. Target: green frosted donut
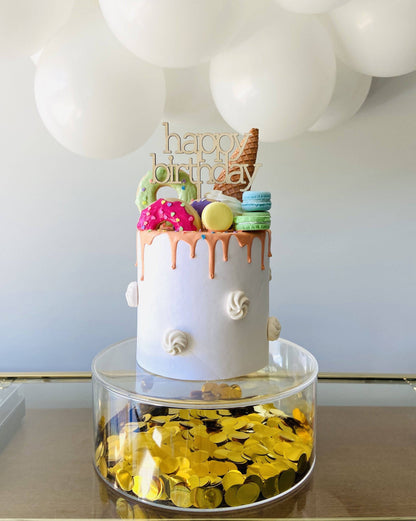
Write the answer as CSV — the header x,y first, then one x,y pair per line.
x,y
147,189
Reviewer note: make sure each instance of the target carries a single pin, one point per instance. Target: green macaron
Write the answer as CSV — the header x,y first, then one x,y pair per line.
x,y
252,221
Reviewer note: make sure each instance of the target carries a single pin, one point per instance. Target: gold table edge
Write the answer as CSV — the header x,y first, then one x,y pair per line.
x,y
322,376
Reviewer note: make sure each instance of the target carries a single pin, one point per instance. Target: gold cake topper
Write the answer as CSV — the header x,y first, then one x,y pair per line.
x,y
233,168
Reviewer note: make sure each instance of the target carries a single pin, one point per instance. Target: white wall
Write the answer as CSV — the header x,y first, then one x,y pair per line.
x,y
343,237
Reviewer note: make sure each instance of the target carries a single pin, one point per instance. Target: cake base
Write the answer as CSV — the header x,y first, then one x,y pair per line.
x,y
198,445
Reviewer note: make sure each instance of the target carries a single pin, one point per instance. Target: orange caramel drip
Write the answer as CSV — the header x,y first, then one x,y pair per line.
x,y
269,233
192,238
225,242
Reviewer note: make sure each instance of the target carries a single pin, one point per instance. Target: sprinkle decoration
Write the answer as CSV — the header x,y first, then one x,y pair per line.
x,y
204,458
158,215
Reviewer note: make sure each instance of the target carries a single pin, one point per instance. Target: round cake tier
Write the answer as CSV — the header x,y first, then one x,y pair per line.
x,y
203,303
203,445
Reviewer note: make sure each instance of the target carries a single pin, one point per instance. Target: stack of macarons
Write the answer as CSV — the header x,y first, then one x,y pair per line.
x,y
255,212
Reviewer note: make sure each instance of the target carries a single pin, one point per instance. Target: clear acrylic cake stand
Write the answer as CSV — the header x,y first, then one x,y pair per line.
x,y
125,393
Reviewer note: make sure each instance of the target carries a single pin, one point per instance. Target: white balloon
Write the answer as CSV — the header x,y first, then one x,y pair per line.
x,y
375,37
350,92
36,57
280,79
310,6
189,102
180,33
94,97
81,7
26,25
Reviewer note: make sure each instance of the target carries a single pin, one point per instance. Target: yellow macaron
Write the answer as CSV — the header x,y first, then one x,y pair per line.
x,y
217,217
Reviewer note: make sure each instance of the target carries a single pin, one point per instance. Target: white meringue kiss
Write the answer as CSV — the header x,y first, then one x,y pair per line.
x,y
273,328
237,305
132,294
175,342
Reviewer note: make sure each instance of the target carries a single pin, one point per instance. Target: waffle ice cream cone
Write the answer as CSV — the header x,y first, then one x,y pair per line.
x,y
245,157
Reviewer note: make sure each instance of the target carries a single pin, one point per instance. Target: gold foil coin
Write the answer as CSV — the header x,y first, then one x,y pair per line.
x,y
181,496
218,437
269,487
233,477
253,478
302,464
200,443
234,446
193,481
238,435
230,496
224,412
236,457
150,489
99,452
102,467
221,454
219,468
169,465
248,493
200,469
200,456
235,391
286,480
210,497
298,415
124,480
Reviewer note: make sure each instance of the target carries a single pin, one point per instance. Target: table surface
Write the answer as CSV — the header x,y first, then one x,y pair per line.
x,y
365,467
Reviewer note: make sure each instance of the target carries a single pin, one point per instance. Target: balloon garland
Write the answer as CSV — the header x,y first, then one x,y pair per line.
x,y
106,75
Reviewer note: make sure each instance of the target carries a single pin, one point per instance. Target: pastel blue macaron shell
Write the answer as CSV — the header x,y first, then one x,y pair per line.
x,y
250,195
253,206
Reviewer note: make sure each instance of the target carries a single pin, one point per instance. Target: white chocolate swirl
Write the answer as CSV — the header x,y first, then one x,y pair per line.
x,y
237,305
175,341
132,294
232,202
273,328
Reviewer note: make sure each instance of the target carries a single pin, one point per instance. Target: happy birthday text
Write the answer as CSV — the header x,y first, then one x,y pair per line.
x,y
201,145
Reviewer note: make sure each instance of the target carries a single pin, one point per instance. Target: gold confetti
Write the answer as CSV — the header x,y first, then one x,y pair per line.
x,y
248,493
124,480
233,477
205,458
181,496
218,437
298,415
210,497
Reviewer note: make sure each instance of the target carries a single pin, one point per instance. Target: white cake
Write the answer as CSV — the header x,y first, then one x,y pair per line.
x,y
203,316
202,290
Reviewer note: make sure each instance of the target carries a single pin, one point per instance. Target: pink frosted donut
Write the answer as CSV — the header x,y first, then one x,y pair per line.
x,y
181,216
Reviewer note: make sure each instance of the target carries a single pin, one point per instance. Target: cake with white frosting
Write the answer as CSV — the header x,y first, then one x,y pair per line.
x,y
202,289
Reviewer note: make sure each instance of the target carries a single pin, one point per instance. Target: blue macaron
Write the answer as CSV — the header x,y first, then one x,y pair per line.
x,y
256,201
